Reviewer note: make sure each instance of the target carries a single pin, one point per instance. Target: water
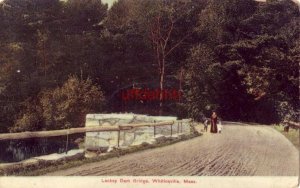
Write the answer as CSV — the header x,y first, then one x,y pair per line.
x,y
18,150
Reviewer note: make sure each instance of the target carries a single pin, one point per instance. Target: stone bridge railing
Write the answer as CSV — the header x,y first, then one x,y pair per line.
x,y
158,127
104,132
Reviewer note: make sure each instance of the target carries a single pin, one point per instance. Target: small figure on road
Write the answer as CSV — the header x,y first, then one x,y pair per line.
x,y
220,126
205,125
213,122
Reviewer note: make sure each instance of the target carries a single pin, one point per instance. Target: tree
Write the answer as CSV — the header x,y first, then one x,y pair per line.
x,y
154,33
256,66
220,21
164,34
212,78
31,118
63,107
201,77
42,42
269,68
67,106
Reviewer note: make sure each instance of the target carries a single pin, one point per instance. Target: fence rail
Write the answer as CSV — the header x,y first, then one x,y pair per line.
x,y
41,134
291,124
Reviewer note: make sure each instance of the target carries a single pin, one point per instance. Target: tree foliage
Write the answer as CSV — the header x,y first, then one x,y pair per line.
x,y
256,58
239,57
63,107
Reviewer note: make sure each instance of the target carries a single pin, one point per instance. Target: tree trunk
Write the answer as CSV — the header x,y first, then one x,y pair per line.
x,y
161,84
180,84
44,57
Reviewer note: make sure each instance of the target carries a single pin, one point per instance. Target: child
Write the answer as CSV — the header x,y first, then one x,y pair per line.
x,y
220,127
205,125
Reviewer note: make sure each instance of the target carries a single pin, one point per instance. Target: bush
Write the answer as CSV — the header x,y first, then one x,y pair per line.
x,y
31,119
62,107
67,106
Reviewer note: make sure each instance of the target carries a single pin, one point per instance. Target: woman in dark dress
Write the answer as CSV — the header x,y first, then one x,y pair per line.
x,y
213,122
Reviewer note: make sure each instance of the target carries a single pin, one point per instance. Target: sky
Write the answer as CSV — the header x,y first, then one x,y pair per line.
x,y
110,2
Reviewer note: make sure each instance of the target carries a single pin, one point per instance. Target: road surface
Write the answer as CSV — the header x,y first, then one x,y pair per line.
x,y
237,151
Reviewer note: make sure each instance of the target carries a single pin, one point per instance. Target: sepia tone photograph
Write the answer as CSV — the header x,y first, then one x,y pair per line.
x,y
149,93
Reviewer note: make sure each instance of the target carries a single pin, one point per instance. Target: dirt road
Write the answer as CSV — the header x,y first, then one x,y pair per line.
x,y
237,151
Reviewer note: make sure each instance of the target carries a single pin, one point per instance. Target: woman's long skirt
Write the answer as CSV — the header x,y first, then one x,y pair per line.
x,y
213,127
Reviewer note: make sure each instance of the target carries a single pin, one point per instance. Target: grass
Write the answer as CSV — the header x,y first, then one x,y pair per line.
x,y
44,168
292,135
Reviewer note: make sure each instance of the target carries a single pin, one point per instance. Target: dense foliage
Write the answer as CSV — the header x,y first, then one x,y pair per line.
x,y
62,59
248,61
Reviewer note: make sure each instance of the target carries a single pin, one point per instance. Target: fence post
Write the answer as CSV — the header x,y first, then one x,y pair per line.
x,y
177,127
154,130
67,143
171,129
181,126
119,137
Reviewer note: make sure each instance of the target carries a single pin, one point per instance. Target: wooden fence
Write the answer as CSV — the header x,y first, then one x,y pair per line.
x,y
67,132
52,133
290,124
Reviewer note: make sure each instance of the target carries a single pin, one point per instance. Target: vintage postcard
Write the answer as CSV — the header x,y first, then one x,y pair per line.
x,y
149,93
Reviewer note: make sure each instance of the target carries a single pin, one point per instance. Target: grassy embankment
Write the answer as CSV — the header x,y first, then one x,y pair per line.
x,y
292,135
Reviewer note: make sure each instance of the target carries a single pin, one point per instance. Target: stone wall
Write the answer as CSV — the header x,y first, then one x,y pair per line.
x,y
104,141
